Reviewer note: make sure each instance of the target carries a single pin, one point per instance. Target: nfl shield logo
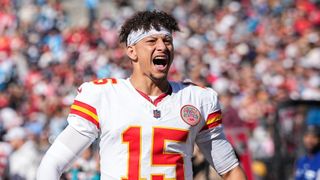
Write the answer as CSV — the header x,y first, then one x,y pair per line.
x,y
156,114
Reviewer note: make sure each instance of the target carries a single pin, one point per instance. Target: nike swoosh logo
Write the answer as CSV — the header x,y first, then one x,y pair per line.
x,y
79,90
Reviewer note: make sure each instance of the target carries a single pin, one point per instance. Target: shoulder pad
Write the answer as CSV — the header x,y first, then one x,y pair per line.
x,y
189,82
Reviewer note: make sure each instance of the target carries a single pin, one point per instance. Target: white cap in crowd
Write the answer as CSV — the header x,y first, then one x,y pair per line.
x,y
15,133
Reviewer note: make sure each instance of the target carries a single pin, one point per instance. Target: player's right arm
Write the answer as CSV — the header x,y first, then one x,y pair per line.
x,y
83,129
62,153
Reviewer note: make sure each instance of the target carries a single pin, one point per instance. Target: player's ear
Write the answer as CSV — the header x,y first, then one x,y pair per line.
x,y
131,52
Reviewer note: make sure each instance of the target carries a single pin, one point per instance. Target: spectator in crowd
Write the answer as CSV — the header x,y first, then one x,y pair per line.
x,y
92,8
24,158
308,166
5,150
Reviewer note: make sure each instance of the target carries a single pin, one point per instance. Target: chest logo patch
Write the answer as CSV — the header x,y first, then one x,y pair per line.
x,y
190,114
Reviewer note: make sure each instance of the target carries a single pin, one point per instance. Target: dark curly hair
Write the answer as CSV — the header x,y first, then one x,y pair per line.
x,y
145,20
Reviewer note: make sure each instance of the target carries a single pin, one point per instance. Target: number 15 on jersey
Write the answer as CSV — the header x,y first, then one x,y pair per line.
x,y
132,136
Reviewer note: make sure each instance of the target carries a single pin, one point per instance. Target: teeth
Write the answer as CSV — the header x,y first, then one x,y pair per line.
x,y
161,57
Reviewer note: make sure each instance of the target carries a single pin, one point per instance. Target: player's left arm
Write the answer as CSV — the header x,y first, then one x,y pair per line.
x,y
220,154
212,142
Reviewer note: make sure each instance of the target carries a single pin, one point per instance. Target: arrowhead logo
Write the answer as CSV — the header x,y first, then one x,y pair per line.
x,y
190,114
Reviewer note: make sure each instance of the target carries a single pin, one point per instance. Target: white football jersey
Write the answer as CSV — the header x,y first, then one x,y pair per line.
x,y
141,138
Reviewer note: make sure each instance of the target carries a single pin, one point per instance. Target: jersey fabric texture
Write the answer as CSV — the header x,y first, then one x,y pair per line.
x,y
308,168
145,139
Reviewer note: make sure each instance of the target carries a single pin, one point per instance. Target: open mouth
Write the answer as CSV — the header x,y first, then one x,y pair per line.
x,y
161,62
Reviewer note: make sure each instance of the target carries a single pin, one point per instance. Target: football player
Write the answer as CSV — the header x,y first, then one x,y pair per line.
x,y
147,125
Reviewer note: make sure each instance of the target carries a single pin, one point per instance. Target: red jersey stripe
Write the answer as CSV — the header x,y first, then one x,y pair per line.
x,y
86,106
212,125
214,119
85,116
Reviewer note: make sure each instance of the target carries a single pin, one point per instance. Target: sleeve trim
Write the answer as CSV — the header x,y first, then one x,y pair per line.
x,y
85,111
213,120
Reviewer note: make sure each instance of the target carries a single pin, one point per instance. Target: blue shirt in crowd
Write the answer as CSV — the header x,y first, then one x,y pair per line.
x,y
308,168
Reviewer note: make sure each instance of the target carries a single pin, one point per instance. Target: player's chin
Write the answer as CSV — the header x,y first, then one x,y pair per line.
x,y
159,76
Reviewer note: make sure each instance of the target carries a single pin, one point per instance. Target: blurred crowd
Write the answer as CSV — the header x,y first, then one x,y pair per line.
x,y
254,53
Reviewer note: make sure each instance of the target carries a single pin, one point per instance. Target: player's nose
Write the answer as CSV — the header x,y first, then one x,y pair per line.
x,y
161,45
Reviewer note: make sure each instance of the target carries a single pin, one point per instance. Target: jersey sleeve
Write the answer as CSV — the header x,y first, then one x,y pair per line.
x,y
83,115
211,139
212,116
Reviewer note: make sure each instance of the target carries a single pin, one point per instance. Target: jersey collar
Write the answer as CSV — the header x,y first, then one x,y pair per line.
x,y
159,98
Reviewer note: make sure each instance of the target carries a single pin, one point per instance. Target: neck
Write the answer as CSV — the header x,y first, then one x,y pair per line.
x,y
149,86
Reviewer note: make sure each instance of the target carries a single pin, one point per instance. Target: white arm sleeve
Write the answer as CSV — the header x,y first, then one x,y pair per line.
x,y
65,149
218,151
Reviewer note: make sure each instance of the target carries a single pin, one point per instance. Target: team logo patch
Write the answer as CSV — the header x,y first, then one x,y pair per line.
x,y
190,114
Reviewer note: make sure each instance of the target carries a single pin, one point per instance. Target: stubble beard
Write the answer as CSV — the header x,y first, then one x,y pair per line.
x,y
158,80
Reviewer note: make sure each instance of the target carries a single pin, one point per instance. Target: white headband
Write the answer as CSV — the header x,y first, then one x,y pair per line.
x,y
136,36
